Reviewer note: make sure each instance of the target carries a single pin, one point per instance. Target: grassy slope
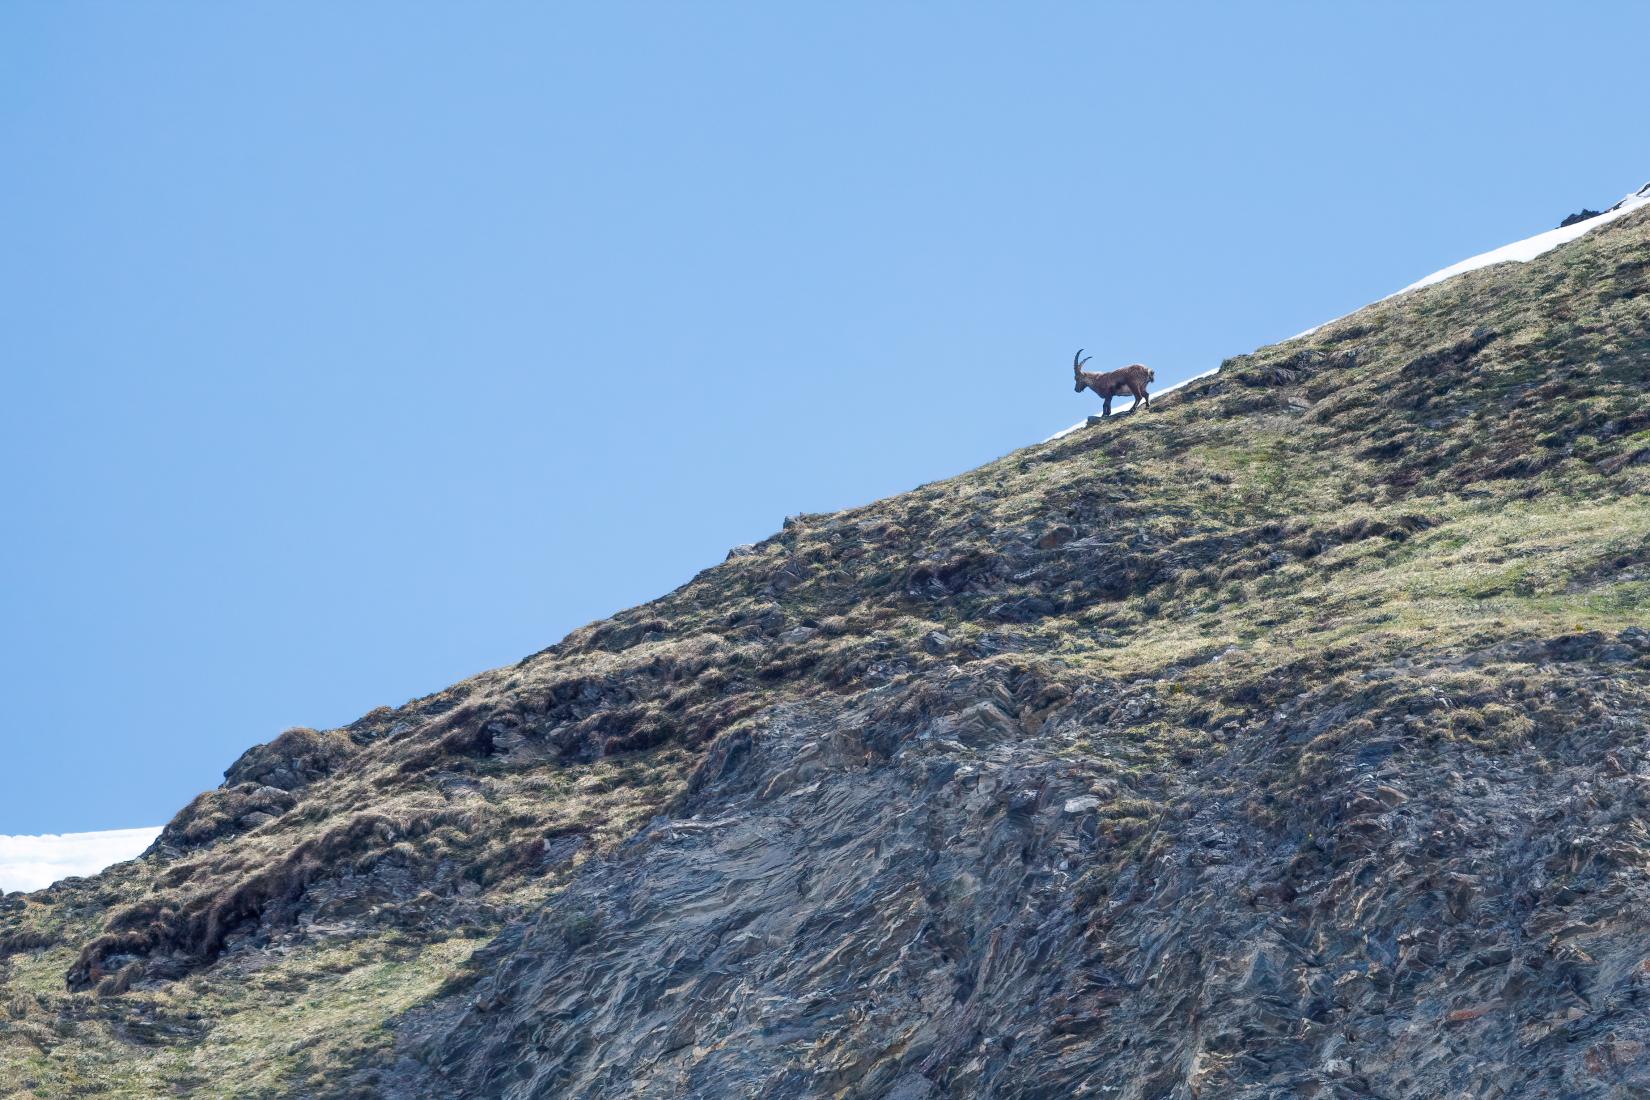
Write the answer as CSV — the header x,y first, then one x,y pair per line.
x,y
1440,472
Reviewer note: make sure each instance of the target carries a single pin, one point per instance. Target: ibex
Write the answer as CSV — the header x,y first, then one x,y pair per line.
x,y
1132,378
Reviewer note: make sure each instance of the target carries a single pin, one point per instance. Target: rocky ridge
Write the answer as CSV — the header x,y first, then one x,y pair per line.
x,y
1290,739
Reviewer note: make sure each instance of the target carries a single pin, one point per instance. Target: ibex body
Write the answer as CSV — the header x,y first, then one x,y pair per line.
x,y
1132,378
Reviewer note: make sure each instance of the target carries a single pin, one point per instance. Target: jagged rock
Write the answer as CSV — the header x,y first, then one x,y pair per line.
x,y
292,761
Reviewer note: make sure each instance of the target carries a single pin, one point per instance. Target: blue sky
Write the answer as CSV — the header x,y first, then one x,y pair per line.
x,y
352,349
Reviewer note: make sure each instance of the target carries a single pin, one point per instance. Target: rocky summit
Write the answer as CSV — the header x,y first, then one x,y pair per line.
x,y
1289,740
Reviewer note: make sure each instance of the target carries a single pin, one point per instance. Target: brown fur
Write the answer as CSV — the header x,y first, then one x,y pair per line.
x,y
1132,378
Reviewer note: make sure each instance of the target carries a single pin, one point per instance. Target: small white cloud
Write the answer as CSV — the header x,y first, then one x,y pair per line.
x,y
33,862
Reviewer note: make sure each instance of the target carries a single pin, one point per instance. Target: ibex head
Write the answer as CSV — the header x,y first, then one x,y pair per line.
x,y
1077,368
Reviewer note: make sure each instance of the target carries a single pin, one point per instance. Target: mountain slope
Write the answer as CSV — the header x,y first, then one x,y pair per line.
x,y
1289,739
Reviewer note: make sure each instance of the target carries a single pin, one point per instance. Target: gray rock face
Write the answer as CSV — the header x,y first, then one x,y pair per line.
x,y
292,761
854,904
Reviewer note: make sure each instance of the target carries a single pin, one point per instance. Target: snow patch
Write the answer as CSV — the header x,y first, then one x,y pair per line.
x,y
1518,252
1530,247
33,862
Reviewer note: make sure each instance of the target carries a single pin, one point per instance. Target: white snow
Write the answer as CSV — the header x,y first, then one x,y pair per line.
x,y
1530,247
33,862
1518,252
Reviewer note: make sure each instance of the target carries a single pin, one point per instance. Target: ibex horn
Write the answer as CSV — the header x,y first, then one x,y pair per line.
x,y
1077,362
